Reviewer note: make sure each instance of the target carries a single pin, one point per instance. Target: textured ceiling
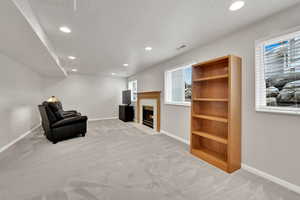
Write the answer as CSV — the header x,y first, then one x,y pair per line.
x,y
108,33
19,41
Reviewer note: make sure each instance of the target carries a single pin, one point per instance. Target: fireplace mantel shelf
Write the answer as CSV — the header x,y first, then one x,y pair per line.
x,y
151,92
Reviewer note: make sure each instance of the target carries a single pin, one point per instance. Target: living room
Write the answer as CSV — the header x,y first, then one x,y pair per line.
x,y
223,112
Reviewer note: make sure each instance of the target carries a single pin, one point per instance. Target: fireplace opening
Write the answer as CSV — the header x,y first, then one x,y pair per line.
x,y
148,116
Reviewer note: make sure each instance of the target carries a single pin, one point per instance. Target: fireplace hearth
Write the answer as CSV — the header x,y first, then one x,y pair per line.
x,y
148,116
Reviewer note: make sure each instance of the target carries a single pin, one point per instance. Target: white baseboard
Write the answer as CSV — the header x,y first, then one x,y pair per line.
x,y
272,178
175,137
99,119
283,183
19,138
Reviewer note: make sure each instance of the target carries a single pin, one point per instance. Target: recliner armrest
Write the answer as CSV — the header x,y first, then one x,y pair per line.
x,y
68,121
67,115
70,111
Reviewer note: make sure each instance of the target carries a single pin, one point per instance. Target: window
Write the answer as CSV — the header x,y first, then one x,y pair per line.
x,y
132,85
278,74
178,86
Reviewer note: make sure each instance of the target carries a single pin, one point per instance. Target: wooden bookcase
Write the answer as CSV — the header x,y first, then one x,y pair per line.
x,y
216,112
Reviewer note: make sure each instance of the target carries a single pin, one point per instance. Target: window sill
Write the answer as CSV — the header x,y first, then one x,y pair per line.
x,y
187,104
276,110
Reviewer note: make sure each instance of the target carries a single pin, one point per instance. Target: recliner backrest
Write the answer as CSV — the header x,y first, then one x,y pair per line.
x,y
45,119
59,105
54,107
51,117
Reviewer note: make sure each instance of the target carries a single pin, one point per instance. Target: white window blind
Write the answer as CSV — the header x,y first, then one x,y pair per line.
x,y
278,74
132,85
178,84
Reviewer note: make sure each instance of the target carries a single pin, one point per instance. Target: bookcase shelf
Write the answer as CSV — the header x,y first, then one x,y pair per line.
x,y
210,136
218,159
211,78
216,112
210,99
212,118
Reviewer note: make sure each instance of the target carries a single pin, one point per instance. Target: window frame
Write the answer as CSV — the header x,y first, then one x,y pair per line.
x,y
260,96
132,92
167,86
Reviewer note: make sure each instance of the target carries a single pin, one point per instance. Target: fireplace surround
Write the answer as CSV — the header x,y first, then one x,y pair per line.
x,y
149,99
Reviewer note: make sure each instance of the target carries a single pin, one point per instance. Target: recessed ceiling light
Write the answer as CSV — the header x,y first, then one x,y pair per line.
x,y
74,70
148,48
181,47
236,5
113,74
65,29
72,57
125,65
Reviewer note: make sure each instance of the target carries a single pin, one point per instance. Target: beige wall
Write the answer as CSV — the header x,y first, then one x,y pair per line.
x,y
21,92
270,142
94,96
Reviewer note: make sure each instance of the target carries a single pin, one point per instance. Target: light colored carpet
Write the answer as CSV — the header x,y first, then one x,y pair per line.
x,y
118,161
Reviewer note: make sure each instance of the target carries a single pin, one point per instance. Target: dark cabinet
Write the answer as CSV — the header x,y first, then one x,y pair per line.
x,y
126,113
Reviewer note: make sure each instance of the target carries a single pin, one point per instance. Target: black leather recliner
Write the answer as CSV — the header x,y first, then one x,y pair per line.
x,y
60,125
